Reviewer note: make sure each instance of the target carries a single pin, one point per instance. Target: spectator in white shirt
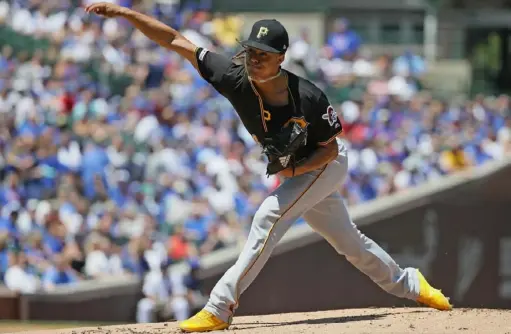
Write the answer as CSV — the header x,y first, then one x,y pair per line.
x,y
156,295
69,153
100,261
18,278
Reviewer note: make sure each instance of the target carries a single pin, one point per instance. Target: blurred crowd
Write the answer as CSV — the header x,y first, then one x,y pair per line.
x,y
397,133
98,184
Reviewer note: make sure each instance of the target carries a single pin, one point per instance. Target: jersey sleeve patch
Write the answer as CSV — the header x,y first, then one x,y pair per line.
x,y
331,117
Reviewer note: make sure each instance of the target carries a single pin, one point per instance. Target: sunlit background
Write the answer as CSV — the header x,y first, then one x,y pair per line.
x,y
117,158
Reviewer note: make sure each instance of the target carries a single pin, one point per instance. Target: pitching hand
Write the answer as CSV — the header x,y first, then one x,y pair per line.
x,y
105,9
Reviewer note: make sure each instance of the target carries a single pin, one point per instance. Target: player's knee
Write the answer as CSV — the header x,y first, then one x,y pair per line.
x,y
263,218
268,212
262,224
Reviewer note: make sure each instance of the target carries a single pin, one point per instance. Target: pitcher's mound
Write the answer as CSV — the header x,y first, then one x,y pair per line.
x,y
372,320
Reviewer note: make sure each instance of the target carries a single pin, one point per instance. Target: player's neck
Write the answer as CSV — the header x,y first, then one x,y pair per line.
x,y
275,86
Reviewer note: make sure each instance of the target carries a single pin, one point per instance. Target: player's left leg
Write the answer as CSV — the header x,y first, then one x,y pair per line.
x,y
331,219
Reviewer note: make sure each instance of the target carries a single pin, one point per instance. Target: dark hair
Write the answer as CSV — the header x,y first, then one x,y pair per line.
x,y
240,55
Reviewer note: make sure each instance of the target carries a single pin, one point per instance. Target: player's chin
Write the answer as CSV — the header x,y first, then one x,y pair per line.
x,y
256,73
260,78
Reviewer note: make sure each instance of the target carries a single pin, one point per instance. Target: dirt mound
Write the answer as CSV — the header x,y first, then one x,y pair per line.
x,y
372,320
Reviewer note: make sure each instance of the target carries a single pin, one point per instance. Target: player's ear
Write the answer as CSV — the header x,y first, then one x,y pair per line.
x,y
280,58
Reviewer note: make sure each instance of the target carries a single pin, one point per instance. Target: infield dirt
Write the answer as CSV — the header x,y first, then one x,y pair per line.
x,y
372,320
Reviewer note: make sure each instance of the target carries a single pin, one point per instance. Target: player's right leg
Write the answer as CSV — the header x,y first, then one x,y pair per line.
x,y
273,218
331,219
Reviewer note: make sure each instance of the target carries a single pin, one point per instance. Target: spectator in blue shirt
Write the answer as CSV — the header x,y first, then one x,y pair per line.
x,y
31,127
60,273
410,64
55,237
4,253
132,257
36,254
8,221
344,41
12,189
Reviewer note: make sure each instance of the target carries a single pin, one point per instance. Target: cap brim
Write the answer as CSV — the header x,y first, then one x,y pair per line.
x,y
259,46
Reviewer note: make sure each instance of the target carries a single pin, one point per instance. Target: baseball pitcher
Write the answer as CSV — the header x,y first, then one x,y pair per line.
x,y
297,127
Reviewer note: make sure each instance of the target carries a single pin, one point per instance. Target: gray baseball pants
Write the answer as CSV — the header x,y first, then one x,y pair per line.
x,y
316,197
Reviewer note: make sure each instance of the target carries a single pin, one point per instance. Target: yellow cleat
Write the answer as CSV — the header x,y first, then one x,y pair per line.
x,y
432,297
203,322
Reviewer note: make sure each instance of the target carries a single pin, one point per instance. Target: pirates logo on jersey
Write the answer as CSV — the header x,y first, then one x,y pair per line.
x,y
331,116
299,120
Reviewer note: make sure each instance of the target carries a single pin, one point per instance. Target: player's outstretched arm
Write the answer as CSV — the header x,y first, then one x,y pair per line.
x,y
155,30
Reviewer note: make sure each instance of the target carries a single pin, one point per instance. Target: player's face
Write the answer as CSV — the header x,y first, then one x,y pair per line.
x,y
261,64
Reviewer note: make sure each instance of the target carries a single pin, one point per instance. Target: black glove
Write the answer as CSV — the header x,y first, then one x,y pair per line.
x,y
281,148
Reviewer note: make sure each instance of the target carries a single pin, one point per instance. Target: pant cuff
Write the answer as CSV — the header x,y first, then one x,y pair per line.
x,y
217,312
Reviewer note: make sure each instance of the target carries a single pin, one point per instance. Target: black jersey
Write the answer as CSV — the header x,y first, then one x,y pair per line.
x,y
309,103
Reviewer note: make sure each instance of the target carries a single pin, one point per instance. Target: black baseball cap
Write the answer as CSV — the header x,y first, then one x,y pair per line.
x,y
268,35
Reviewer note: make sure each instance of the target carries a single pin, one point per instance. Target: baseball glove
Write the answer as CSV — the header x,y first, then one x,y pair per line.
x,y
281,148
